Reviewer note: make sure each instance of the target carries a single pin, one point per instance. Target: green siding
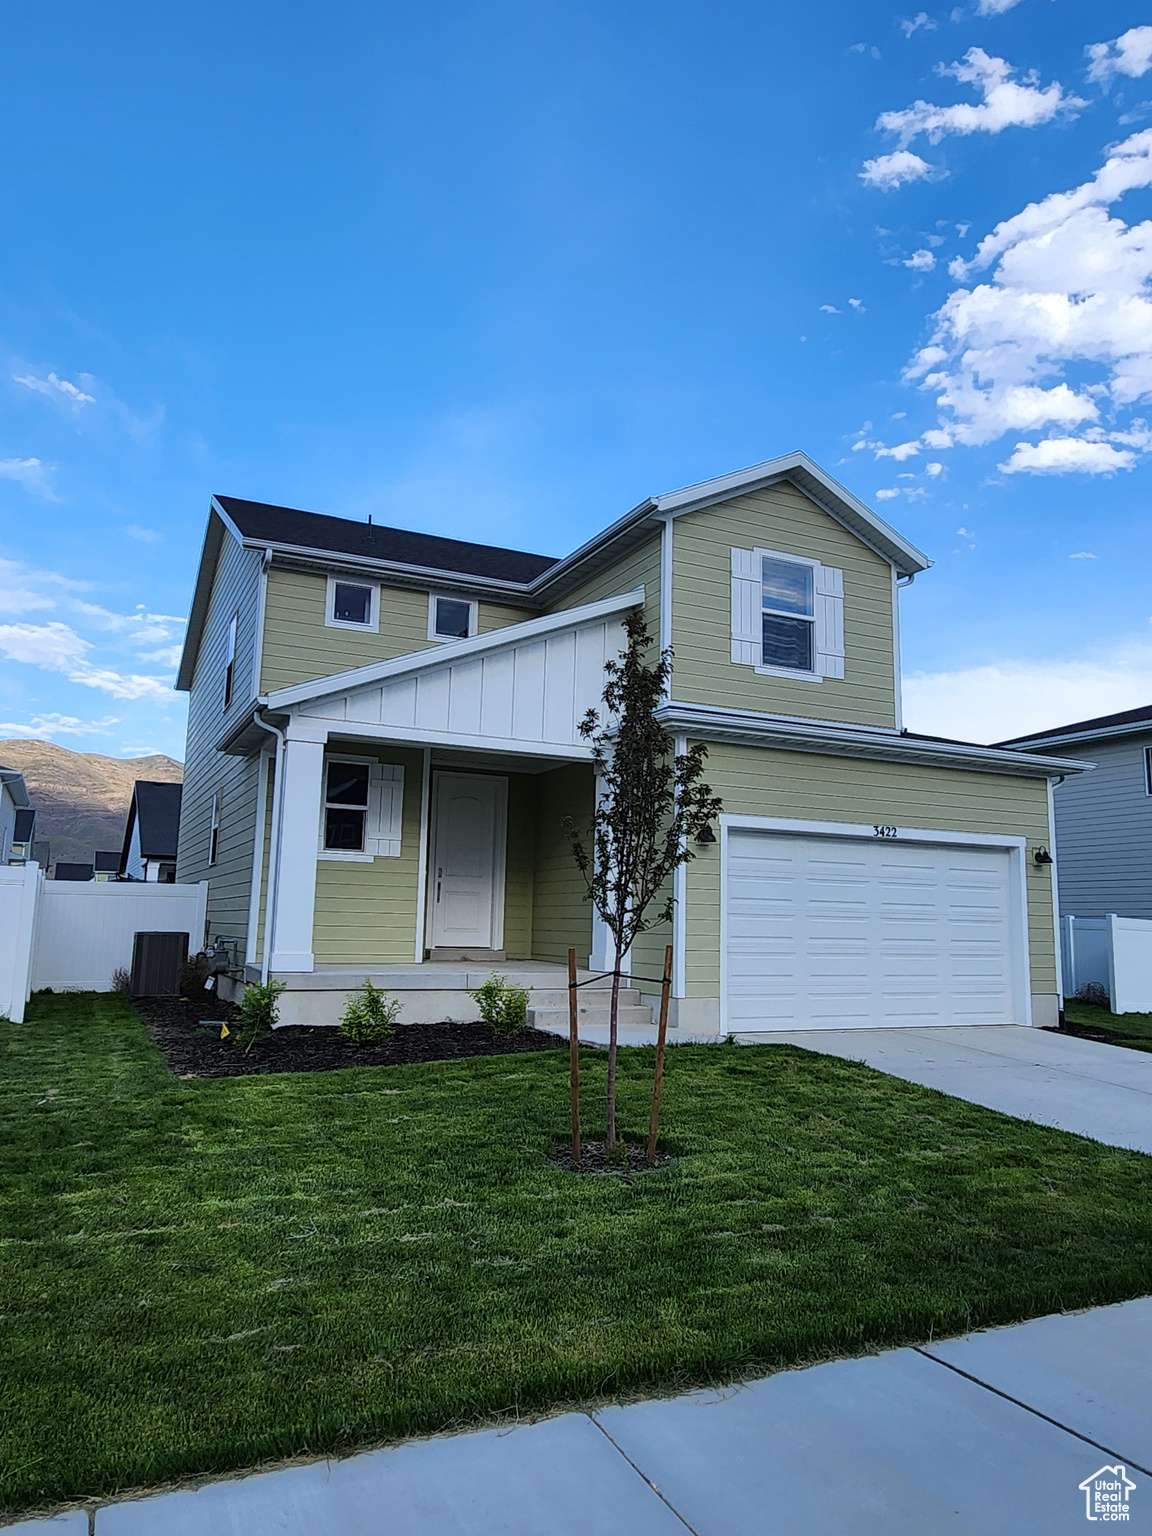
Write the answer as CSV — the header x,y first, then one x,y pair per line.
x,y
298,645
755,782
562,916
639,569
366,913
784,519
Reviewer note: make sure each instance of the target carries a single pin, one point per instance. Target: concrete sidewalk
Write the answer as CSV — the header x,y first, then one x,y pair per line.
x,y
988,1434
1097,1090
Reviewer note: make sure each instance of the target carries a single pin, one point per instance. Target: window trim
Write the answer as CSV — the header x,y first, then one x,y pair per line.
x,y
811,676
454,597
1148,770
230,660
214,829
345,855
330,619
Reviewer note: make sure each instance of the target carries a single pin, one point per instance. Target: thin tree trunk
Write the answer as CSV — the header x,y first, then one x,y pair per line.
x,y
574,1055
613,1019
661,1039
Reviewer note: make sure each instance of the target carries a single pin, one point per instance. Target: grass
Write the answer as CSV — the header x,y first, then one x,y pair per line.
x,y
1133,1030
198,1276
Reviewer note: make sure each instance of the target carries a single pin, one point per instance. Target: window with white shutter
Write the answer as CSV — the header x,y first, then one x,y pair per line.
x,y
360,818
787,615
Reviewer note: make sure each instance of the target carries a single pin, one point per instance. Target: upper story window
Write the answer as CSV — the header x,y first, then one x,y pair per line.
x,y
214,829
230,662
345,806
1148,770
451,618
353,604
787,615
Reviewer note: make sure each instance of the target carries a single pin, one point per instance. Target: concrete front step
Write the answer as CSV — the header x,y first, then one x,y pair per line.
x,y
630,1017
587,997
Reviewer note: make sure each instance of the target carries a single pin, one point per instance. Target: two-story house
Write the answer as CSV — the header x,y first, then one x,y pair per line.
x,y
1103,818
383,742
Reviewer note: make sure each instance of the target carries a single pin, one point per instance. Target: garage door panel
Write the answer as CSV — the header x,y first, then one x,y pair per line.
x,y
861,935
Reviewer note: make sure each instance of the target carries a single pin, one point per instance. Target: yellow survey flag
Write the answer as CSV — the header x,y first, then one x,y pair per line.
x,y
224,1031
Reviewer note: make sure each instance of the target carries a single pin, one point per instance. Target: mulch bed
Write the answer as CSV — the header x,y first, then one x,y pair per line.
x,y
194,1049
594,1159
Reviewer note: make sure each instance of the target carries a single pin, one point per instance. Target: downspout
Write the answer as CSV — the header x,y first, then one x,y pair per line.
x,y
274,847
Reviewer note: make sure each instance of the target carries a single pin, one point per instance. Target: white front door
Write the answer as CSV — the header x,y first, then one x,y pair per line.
x,y
466,878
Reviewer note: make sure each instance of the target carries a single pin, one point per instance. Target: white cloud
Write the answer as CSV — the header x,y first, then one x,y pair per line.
x,y
829,309
1005,103
888,493
857,305
56,647
143,535
53,386
1082,554
45,727
32,474
933,469
1070,289
900,452
914,24
891,171
1014,697
921,261
994,7
1129,54
1067,455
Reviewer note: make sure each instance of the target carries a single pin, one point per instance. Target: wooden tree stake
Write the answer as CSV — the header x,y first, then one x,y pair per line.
x,y
574,1055
661,1038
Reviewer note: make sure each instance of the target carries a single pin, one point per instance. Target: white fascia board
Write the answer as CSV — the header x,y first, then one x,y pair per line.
x,y
456,650
1101,733
13,780
814,482
705,722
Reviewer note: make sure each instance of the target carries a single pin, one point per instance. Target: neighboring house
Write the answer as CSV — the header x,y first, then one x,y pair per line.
x,y
1104,818
383,741
152,833
72,871
14,811
106,865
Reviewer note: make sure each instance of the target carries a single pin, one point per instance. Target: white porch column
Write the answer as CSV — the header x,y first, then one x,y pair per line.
x,y
295,873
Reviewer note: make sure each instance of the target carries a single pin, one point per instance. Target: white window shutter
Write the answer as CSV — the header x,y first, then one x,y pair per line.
x,y
829,595
747,605
385,810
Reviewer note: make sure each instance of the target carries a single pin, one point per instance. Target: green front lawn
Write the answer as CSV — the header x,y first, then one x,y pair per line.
x,y
1133,1030
201,1275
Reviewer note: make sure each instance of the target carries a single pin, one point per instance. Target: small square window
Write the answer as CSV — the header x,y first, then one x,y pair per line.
x,y
351,604
453,618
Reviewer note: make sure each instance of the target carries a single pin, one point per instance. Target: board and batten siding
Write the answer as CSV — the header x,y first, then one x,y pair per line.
x,y
811,787
1104,831
779,518
235,591
299,646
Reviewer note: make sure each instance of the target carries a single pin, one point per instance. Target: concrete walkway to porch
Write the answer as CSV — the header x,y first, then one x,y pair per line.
x,y
992,1433
1097,1090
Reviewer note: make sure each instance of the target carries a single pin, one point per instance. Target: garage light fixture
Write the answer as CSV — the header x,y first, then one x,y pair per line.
x,y
1042,856
705,835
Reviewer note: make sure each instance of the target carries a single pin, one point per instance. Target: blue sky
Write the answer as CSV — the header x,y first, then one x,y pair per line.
x,y
500,270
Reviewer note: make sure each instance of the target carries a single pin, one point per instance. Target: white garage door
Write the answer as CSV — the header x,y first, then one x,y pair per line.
x,y
848,933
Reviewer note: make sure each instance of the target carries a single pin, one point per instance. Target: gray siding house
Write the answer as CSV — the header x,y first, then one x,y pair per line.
x,y
1104,818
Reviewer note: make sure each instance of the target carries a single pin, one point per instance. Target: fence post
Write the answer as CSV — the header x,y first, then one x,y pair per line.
x,y
661,1037
574,1056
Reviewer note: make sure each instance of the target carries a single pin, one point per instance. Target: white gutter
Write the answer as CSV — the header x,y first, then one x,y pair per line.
x,y
274,847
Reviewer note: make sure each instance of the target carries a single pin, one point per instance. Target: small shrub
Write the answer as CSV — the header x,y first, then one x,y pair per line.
x,y
370,1017
503,1008
259,1010
1093,992
120,980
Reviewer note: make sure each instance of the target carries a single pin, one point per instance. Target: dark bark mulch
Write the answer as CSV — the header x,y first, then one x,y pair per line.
x,y
594,1159
193,1048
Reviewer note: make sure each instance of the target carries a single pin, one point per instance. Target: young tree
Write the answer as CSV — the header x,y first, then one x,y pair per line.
x,y
651,805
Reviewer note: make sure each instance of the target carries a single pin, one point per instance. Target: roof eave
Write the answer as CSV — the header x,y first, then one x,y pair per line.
x,y
1101,733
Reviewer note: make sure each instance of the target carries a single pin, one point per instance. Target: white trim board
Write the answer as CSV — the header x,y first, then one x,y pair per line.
x,y
1016,847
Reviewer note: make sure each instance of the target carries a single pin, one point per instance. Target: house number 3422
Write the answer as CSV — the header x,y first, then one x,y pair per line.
x,y
883,831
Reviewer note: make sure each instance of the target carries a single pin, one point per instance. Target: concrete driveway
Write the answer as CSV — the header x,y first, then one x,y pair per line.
x,y
1102,1091
991,1434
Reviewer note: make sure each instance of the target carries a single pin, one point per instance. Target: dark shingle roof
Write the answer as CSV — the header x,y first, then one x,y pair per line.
x,y
157,808
105,862
72,872
1100,723
338,535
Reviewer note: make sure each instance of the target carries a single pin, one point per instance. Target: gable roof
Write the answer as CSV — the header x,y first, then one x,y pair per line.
x,y
1128,722
285,527
12,780
156,807
534,580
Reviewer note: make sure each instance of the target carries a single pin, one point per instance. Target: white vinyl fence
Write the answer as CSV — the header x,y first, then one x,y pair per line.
x,y
71,935
1115,952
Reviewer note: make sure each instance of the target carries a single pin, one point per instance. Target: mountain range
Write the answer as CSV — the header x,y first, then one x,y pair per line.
x,y
81,798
